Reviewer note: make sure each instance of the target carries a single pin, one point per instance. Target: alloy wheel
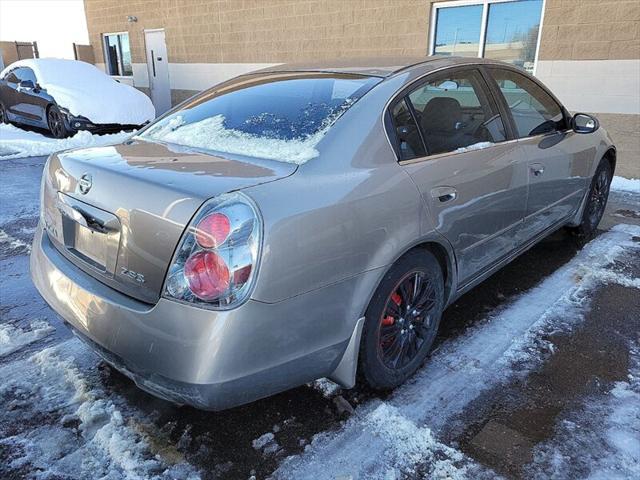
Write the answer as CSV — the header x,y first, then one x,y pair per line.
x,y
598,198
55,122
406,320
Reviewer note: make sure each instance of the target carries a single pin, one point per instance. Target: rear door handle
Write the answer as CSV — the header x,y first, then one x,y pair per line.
x,y
444,194
537,169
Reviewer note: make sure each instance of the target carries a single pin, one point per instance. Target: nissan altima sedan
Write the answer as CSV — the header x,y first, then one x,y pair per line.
x,y
309,221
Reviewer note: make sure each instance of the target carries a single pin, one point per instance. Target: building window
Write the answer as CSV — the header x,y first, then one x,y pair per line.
x,y
117,54
504,30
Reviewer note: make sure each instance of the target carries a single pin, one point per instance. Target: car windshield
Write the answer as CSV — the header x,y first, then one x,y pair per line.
x,y
279,118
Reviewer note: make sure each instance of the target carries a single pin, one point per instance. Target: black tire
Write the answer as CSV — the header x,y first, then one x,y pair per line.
x,y
596,200
415,332
55,122
3,115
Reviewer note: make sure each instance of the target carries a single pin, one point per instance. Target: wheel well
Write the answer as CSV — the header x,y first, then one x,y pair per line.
x,y
445,262
610,155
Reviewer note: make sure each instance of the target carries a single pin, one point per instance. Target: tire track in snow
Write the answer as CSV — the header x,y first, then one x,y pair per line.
x,y
458,372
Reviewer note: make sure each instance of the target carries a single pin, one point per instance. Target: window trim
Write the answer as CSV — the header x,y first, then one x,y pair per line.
x,y
106,56
483,26
403,94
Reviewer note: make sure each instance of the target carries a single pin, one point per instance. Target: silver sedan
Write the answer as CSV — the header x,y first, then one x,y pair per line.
x,y
309,221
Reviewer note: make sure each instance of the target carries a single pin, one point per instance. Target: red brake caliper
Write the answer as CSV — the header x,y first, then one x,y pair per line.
x,y
389,320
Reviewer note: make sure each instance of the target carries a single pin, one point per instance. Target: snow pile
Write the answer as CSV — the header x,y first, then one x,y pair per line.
x,y
622,184
475,146
78,432
18,143
14,338
606,433
86,91
211,134
325,386
508,343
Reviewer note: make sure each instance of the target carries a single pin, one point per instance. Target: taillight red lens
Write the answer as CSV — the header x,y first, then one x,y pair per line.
x,y
213,230
207,275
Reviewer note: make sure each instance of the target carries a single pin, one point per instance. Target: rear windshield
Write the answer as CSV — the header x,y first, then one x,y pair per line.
x,y
279,118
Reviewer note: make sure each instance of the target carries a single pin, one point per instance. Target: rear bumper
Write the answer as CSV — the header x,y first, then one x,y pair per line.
x,y
208,359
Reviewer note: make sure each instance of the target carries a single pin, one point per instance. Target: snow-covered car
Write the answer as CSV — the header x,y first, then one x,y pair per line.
x,y
65,96
309,221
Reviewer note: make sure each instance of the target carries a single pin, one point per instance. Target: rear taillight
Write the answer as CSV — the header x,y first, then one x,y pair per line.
x,y
216,262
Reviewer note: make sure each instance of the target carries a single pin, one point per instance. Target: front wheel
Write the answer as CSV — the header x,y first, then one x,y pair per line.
x,y
402,320
3,115
55,122
596,200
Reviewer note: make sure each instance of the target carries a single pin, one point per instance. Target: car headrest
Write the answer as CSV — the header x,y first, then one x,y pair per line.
x,y
441,113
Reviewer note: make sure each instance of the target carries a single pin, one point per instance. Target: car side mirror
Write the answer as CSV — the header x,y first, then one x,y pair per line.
x,y
584,123
27,85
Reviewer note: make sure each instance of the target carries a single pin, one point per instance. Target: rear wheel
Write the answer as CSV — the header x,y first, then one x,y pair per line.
x,y
55,122
3,114
596,201
402,320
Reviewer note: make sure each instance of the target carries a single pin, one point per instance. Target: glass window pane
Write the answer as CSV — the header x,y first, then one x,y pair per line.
x,y
126,54
534,111
454,113
279,118
458,31
409,142
512,32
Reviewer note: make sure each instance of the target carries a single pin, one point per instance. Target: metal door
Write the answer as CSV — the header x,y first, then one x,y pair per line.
x,y
158,67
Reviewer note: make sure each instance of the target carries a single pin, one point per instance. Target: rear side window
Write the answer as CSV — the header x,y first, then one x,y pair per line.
x,y
455,113
280,118
11,77
409,140
534,111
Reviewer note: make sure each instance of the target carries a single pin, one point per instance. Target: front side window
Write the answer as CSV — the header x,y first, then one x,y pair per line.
x,y
24,73
117,54
454,113
280,118
504,30
533,110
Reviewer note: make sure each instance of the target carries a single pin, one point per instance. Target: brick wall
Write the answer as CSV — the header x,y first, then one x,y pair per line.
x,y
591,30
273,31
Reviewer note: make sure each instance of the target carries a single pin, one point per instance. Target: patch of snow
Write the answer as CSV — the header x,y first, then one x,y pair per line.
x,y
622,184
266,443
14,244
14,338
605,433
211,134
86,91
92,438
326,387
18,143
475,146
505,344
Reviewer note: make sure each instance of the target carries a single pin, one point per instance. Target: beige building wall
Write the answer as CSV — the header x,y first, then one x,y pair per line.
x,y
589,49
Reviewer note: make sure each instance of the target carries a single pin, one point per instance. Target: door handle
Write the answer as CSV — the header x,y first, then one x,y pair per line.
x,y
537,169
444,194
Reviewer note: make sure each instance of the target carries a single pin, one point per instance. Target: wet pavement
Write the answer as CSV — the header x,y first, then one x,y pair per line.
x,y
501,429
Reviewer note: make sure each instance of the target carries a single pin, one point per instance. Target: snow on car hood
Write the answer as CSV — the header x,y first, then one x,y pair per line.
x,y
86,91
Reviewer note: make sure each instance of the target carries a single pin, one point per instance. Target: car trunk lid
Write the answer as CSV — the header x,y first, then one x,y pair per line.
x,y
118,212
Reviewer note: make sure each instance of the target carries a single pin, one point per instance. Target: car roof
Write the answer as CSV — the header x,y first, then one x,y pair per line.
x,y
382,66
